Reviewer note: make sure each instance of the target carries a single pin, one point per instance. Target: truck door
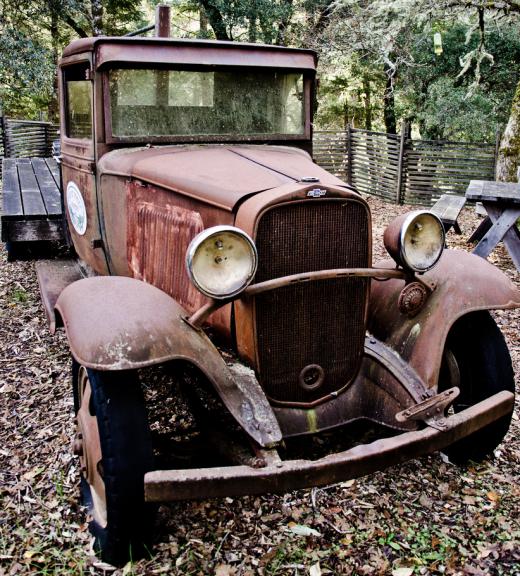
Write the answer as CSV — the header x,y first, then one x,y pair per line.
x,y
78,164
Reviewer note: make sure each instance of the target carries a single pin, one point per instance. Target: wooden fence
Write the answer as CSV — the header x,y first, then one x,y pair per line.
x,y
330,151
400,169
24,138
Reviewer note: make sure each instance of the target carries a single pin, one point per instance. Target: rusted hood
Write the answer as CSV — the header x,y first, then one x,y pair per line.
x,y
219,175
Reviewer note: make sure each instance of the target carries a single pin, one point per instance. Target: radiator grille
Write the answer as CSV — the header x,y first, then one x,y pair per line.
x,y
162,240
319,323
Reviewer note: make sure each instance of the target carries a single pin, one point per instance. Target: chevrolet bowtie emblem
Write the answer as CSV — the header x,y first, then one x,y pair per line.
x,y
316,193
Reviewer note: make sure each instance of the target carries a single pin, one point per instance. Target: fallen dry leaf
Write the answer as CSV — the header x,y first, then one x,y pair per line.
x,y
301,530
403,571
224,570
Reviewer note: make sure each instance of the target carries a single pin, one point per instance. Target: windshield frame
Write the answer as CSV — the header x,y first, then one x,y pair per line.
x,y
308,91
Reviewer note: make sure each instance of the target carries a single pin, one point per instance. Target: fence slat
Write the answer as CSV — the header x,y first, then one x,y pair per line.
x,y
397,168
26,138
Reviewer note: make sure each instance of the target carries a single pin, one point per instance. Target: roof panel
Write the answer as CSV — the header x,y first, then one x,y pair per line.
x,y
196,52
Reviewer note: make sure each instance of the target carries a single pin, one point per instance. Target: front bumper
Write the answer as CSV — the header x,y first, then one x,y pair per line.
x,y
168,485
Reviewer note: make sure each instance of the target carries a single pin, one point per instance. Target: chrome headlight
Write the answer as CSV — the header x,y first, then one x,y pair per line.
x,y
415,240
221,261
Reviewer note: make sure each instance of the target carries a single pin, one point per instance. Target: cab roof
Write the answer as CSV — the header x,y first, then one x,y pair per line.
x,y
141,50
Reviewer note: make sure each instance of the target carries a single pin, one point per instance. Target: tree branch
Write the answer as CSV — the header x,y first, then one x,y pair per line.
x,y
74,25
216,20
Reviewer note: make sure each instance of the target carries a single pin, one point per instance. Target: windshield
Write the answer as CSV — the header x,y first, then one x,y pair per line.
x,y
239,102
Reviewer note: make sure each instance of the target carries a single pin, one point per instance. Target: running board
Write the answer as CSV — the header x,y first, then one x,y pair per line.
x,y
53,277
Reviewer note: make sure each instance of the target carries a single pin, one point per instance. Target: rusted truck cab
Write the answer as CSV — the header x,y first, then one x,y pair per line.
x,y
198,215
122,95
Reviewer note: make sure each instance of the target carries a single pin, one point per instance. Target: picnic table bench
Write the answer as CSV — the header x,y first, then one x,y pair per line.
x,y
31,206
448,208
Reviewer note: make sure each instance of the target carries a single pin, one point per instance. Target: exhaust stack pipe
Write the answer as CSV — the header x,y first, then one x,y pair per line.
x,y
162,21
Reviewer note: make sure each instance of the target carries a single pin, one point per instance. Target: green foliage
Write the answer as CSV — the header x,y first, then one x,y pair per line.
x,y
348,93
244,20
26,75
122,16
32,36
448,113
447,105
19,295
461,94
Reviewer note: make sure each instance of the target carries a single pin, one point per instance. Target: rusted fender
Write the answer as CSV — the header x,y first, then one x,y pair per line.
x,y
119,323
465,283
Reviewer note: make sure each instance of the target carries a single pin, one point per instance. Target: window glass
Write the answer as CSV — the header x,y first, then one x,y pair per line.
x,y
79,109
78,91
238,102
190,88
136,87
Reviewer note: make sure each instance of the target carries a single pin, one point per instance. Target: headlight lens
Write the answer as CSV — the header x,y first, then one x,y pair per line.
x,y
415,240
221,261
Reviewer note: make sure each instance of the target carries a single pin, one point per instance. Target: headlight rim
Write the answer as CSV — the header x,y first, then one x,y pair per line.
x,y
410,217
202,237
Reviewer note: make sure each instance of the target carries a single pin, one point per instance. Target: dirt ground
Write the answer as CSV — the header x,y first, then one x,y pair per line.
x,y
424,517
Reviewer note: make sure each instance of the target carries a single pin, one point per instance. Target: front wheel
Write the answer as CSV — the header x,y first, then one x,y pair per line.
x,y
477,360
114,446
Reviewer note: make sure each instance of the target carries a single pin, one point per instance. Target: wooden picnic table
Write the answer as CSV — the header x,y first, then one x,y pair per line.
x,y
31,207
502,203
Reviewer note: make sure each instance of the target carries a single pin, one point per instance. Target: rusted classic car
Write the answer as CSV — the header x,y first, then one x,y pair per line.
x,y
211,244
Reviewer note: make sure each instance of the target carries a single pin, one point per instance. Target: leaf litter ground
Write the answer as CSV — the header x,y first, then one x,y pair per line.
x,y
424,517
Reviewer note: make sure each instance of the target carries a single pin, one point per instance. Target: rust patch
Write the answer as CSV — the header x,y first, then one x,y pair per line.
x,y
169,220
157,257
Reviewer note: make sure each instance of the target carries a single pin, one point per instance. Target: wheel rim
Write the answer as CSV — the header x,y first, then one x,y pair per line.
x,y
455,379
88,447
452,367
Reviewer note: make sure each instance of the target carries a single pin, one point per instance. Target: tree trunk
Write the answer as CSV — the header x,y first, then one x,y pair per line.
x,y
97,17
281,36
216,20
508,160
346,116
252,28
368,103
203,23
389,105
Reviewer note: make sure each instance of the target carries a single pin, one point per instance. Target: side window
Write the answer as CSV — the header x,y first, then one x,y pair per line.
x,y
78,91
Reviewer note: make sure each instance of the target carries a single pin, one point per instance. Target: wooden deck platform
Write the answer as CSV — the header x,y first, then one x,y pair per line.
x,y
31,207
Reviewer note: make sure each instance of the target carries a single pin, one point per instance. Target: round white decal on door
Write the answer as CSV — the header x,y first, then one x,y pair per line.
x,y
76,208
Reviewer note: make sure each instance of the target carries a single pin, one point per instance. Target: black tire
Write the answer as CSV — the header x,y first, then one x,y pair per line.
x,y
115,451
477,360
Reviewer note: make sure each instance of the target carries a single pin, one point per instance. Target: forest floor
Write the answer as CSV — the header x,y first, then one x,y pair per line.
x,y
423,517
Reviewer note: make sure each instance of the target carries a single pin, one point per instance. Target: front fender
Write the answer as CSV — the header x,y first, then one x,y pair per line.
x,y
465,283
118,323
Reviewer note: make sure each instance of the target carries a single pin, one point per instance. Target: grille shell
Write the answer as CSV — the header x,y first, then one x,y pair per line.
x,y
320,322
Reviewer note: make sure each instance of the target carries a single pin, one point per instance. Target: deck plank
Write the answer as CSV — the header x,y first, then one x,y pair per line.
x,y
12,198
33,204
48,188
54,170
